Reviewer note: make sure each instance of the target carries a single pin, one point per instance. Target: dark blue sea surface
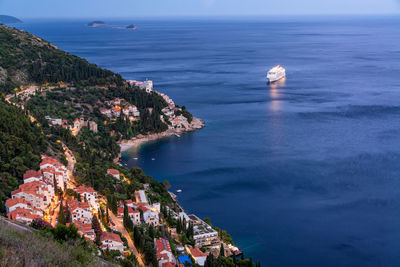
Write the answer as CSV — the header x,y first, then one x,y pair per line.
x,y
302,173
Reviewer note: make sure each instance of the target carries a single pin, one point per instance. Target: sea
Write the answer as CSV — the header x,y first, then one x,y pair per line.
x,y
304,172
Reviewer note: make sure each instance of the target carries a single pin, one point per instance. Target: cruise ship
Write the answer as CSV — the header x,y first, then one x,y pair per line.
x,y
276,73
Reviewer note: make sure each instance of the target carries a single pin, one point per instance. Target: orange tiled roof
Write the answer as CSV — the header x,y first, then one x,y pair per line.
x,y
161,244
110,236
82,189
112,171
197,253
21,212
31,173
14,201
75,204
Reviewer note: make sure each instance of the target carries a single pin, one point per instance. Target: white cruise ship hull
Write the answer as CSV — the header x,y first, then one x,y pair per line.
x,y
276,78
276,73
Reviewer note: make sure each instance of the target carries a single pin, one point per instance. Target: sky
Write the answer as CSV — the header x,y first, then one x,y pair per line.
x,y
156,8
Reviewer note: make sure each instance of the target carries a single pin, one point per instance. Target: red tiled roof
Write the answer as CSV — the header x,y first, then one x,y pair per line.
x,y
75,204
31,173
22,213
14,201
112,171
82,189
110,236
168,264
29,188
120,211
161,244
196,252
130,211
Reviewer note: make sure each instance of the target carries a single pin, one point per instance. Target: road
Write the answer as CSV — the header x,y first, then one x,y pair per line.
x,y
118,224
120,228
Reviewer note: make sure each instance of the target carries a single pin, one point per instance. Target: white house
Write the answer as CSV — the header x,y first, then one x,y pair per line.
x,y
198,255
111,241
80,211
89,195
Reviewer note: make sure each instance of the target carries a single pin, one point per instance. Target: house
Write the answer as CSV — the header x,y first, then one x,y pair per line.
x,y
88,194
77,124
111,241
146,85
23,215
163,251
17,203
106,112
140,196
55,168
134,110
93,126
36,193
80,211
116,111
151,217
86,230
129,203
113,172
120,211
31,176
134,215
198,255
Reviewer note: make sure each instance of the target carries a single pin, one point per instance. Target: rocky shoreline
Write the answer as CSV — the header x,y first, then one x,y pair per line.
x,y
196,124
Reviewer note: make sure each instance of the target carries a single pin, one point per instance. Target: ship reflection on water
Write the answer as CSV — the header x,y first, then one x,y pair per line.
x,y
275,88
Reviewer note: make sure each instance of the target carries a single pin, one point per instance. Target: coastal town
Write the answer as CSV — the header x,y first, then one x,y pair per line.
x,y
52,195
52,190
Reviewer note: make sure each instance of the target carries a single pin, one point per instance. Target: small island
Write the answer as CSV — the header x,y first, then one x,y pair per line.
x,y
4,19
96,23
131,27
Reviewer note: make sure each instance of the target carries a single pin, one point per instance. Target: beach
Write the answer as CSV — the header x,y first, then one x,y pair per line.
x,y
196,124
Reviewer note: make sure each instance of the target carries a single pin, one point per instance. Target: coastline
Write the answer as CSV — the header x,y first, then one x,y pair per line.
x,y
196,124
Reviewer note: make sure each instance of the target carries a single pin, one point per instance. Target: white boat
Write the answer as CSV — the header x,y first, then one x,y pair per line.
x,y
179,190
276,73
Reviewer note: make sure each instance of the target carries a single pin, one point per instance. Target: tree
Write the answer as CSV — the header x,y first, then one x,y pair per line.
x,y
167,184
61,215
127,220
96,226
222,251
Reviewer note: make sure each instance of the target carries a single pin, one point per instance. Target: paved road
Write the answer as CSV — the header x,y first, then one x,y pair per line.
x,y
120,227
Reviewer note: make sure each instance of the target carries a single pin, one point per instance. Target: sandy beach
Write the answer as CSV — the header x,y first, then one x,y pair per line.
x,y
196,124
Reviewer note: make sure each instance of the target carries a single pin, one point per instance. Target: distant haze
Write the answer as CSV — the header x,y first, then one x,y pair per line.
x,y
151,8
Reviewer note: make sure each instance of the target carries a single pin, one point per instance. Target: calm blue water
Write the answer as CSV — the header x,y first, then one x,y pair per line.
x,y
306,173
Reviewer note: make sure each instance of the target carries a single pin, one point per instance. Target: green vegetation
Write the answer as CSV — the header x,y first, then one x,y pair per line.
x,y
21,143
26,59
31,248
222,234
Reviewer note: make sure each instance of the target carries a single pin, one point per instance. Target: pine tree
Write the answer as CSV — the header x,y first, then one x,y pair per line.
x,y
209,260
222,251
96,227
127,220
61,216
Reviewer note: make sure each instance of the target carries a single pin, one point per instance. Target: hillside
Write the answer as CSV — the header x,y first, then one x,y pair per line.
x,y
9,19
22,246
21,143
27,59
